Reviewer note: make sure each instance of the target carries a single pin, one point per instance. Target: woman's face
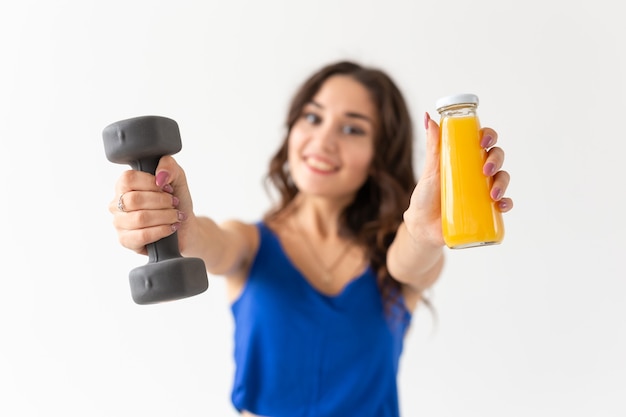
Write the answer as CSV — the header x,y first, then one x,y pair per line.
x,y
331,145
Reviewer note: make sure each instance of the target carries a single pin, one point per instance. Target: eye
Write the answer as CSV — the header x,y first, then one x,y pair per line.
x,y
352,130
312,118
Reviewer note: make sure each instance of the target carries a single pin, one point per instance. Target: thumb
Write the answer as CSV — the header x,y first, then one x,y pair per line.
x,y
169,174
171,178
431,161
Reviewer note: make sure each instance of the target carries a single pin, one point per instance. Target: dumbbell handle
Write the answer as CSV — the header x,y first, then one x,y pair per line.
x,y
167,247
146,164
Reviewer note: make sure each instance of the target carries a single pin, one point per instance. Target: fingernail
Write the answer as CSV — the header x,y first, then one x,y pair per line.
x,y
496,194
489,169
486,141
168,188
182,216
161,178
175,227
175,201
426,120
503,205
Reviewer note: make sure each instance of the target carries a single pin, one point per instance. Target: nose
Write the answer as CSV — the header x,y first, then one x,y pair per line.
x,y
326,136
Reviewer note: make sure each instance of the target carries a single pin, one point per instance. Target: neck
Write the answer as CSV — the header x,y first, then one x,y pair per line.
x,y
318,216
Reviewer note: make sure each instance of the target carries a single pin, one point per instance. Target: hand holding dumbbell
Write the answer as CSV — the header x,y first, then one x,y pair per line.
x,y
141,142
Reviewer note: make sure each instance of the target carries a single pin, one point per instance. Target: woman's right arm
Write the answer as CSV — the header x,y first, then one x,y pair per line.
x,y
157,206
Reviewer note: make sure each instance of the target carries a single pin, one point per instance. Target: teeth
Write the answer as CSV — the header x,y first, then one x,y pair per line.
x,y
317,164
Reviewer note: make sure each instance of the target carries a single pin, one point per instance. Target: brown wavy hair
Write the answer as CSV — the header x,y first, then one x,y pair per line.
x,y
372,219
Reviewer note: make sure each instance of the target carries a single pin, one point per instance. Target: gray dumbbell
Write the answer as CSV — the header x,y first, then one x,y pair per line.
x,y
141,142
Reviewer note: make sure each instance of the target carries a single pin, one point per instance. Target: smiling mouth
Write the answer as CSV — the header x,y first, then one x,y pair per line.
x,y
320,165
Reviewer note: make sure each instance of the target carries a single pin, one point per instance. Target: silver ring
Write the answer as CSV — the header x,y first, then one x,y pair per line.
x,y
120,203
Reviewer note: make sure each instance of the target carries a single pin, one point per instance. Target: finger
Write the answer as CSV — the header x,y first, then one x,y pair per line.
x,y
142,219
431,161
505,204
143,200
494,161
138,239
488,137
500,184
169,173
133,180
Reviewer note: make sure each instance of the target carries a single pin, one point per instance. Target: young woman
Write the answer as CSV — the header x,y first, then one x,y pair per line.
x,y
323,287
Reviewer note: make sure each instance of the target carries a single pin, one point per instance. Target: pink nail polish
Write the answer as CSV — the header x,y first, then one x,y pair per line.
x,y
168,188
489,169
182,216
426,120
486,141
161,178
175,201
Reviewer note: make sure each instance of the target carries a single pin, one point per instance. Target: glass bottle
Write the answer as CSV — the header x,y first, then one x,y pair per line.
x,y
469,216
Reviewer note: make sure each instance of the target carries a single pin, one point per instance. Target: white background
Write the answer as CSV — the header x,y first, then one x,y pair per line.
x,y
533,327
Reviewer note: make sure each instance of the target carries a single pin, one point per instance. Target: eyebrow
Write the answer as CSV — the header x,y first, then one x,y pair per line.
x,y
349,114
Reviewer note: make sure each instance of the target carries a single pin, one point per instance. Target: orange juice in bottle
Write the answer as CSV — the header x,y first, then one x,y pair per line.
x,y
469,216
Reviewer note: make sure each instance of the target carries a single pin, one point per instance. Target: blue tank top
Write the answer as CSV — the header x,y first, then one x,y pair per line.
x,y
301,353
